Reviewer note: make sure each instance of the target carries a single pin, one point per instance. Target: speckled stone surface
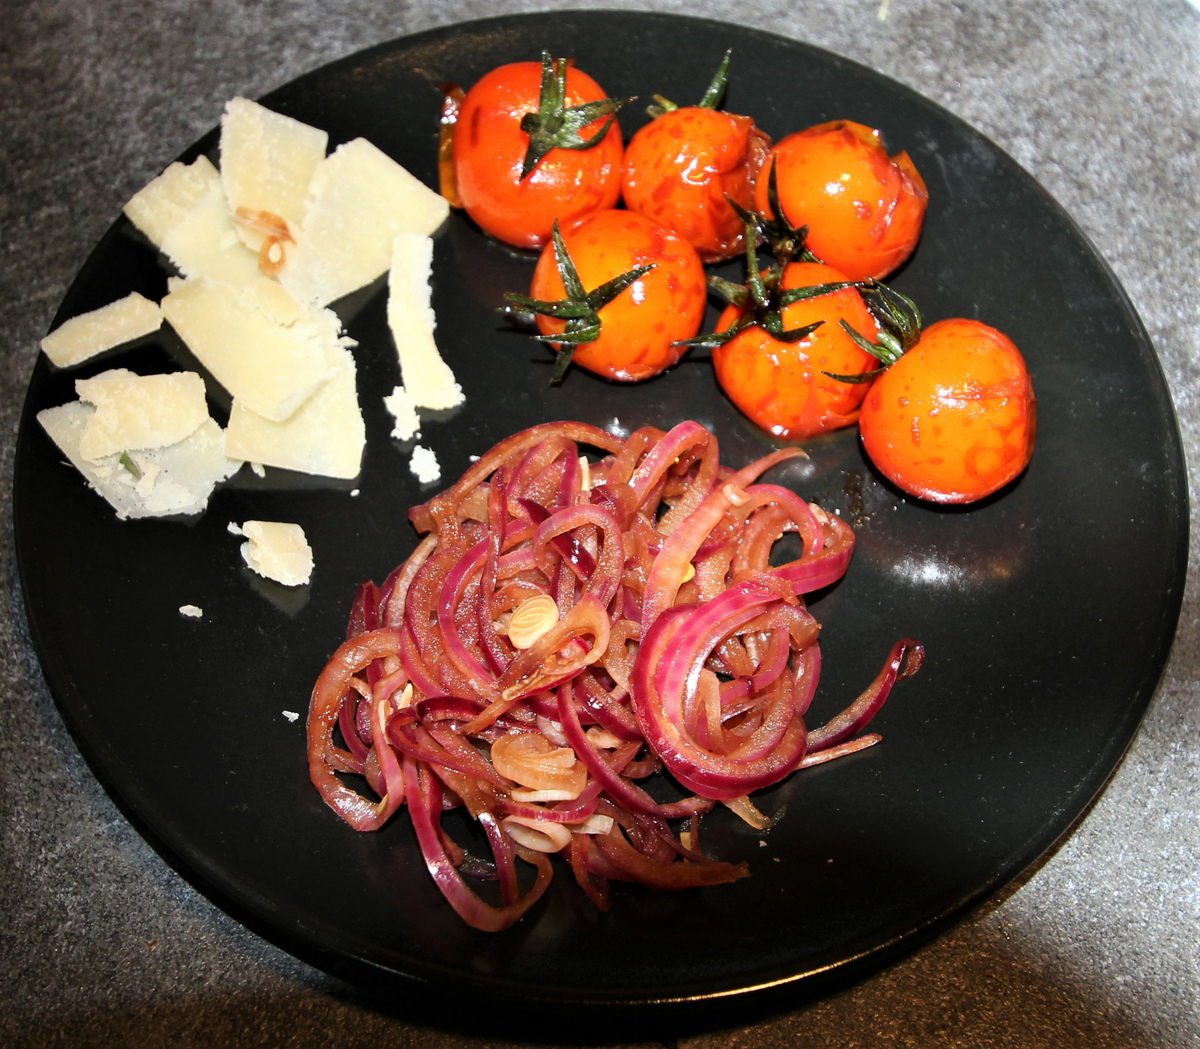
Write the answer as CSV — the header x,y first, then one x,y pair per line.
x,y
102,944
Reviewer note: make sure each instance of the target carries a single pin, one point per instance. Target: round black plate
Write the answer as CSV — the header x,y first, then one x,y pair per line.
x,y
1047,611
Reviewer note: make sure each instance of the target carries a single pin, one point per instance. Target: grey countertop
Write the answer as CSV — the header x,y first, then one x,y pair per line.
x,y
101,943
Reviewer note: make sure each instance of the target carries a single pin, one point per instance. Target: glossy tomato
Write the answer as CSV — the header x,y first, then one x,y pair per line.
x,y
863,209
490,150
680,166
781,386
638,327
955,418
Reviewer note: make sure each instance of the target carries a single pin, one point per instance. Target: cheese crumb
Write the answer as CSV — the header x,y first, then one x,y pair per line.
x,y
192,611
233,529
408,423
259,469
353,493
278,551
291,715
88,334
424,465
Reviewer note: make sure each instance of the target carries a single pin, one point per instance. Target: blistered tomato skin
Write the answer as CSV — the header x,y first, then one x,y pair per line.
x,y
955,418
638,327
864,210
489,150
781,386
680,166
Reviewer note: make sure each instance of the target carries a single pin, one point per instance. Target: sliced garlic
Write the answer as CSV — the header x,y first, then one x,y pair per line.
x,y
602,738
531,620
539,835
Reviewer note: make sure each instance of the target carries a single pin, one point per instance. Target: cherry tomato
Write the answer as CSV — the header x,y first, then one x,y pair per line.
x,y
679,167
490,148
864,210
780,385
955,418
638,327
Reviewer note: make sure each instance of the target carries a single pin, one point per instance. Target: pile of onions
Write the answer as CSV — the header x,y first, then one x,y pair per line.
x,y
568,628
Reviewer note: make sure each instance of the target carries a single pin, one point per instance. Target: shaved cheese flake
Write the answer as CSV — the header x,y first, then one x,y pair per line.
x,y
324,436
191,611
278,551
88,334
156,482
267,162
139,411
359,200
270,367
161,205
204,243
427,378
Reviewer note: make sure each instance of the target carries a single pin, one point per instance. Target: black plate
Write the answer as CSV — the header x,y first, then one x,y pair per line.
x,y
1047,611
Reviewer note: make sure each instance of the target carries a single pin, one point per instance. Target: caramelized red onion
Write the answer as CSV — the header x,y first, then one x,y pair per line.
x,y
677,645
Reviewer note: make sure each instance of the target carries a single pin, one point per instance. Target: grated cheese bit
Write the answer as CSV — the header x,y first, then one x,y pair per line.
x,y
424,465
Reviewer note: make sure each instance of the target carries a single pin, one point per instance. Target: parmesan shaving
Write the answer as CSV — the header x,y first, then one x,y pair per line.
x,y
359,200
427,378
161,204
278,550
89,334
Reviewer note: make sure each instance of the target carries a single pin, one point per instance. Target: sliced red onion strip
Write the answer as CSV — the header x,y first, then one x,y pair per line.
x,y
455,582
425,805
604,575
393,614
352,657
414,666
814,571
669,566
797,509
347,718
852,746
663,455
502,853
629,794
747,475
664,876
903,661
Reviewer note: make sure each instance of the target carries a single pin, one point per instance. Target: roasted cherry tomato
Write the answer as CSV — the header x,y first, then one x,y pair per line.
x,y
863,209
781,386
955,418
638,327
490,151
680,167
